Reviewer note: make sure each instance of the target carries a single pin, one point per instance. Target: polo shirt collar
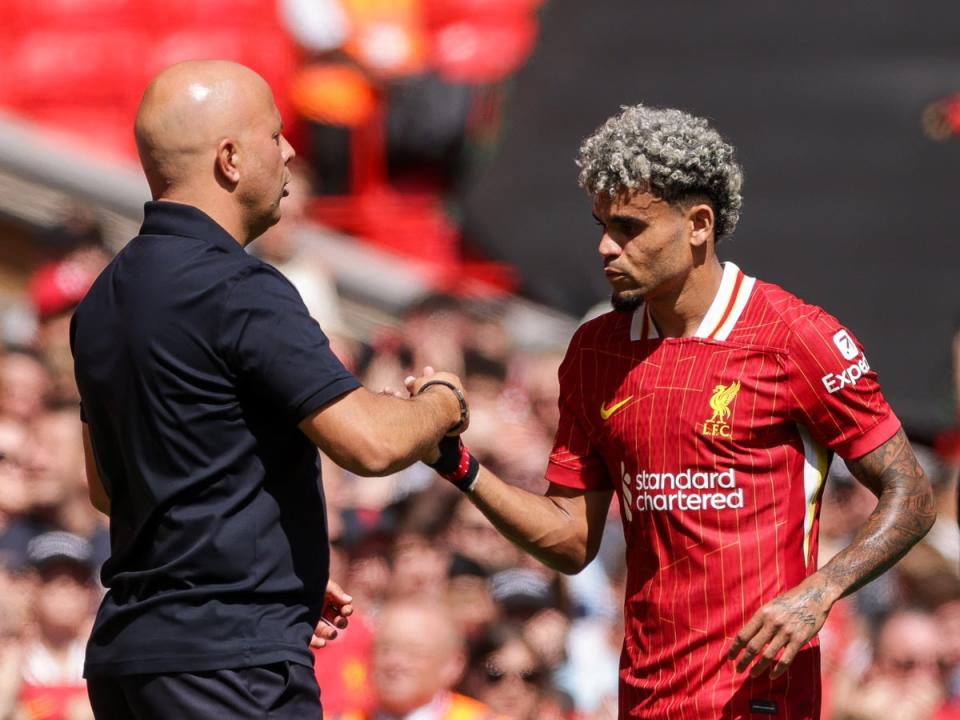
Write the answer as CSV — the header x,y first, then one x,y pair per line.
x,y
162,217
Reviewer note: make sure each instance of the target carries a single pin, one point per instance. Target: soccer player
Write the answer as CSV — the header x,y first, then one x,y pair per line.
x,y
710,403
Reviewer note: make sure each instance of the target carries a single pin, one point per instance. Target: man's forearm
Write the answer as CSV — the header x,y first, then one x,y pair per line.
x,y
554,530
411,428
904,514
378,434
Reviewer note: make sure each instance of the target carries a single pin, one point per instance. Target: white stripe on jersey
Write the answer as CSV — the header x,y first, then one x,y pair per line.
x,y
815,464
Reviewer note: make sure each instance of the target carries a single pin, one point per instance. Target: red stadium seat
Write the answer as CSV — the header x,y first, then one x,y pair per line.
x,y
73,14
444,12
9,87
483,52
82,65
268,51
214,15
91,66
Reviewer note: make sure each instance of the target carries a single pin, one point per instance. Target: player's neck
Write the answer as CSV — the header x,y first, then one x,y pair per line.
x,y
679,313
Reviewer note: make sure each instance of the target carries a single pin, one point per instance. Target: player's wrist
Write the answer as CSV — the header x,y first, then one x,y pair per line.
x,y
456,402
456,464
825,589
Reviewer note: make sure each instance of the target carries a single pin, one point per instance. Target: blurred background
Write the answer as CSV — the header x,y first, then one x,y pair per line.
x,y
435,219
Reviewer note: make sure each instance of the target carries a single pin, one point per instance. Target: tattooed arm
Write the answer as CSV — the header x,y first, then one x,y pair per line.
x,y
904,515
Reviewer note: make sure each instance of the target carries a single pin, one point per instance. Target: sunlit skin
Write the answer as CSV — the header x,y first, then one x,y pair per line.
x,y
660,252
209,135
418,653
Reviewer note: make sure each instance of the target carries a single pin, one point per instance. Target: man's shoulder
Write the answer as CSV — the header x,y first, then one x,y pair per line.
x,y
780,310
255,277
607,328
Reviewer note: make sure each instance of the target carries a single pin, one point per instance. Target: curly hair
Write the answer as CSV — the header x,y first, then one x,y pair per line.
x,y
667,152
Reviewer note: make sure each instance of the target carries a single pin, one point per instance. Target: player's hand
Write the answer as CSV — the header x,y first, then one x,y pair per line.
x,y
336,610
414,385
783,625
393,392
431,456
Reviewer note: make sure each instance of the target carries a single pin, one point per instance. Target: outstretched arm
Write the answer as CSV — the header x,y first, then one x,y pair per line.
x,y
562,529
904,515
377,434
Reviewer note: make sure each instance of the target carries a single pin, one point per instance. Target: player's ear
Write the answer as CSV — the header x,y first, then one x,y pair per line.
x,y
701,220
228,166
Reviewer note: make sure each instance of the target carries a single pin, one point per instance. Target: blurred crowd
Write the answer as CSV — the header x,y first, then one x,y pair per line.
x,y
452,621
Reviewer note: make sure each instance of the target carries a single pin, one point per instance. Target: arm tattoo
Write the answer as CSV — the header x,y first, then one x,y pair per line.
x,y
904,514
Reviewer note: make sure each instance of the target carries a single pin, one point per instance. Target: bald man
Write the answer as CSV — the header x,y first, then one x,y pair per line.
x,y
418,657
206,390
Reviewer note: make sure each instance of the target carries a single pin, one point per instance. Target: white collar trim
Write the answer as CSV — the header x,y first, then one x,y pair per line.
x,y
724,311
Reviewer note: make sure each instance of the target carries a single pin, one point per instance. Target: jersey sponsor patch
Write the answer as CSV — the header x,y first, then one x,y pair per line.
x,y
684,491
845,344
835,382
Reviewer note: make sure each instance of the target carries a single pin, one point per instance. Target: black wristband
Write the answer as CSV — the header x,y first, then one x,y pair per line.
x,y
456,464
464,410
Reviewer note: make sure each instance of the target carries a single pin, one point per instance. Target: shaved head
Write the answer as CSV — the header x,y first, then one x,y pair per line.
x,y
186,109
417,652
204,131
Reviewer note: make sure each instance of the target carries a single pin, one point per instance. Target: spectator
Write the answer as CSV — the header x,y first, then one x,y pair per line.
x,y
56,289
533,597
472,536
11,650
506,673
24,384
944,536
539,381
420,565
906,679
368,574
65,599
342,668
433,331
16,588
469,597
418,657
15,528
948,621
58,484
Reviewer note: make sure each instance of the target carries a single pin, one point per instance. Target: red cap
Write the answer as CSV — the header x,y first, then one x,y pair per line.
x,y
59,286
947,445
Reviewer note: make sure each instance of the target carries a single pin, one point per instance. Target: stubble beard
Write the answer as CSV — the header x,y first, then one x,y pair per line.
x,y
626,303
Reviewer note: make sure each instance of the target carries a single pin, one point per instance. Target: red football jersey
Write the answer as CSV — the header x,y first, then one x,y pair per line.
x,y
717,446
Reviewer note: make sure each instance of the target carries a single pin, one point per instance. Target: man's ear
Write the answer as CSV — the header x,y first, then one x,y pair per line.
x,y
701,219
228,159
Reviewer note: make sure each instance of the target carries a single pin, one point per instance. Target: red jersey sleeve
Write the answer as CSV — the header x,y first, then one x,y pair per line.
x,y
575,461
835,391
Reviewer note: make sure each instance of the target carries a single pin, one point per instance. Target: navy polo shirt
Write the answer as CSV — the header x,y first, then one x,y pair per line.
x,y
195,362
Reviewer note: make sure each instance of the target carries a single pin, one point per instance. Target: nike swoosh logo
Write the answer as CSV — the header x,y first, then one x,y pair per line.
x,y
606,412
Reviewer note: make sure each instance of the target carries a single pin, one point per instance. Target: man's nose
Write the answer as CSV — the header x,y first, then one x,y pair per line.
x,y
607,247
288,152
